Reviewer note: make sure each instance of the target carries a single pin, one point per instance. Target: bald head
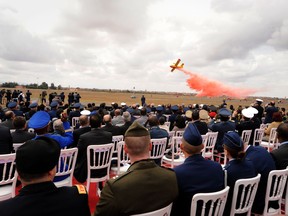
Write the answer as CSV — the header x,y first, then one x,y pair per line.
x,y
107,118
84,121
117,112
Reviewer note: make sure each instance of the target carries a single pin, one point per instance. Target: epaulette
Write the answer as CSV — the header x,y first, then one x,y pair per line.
x,y
117,178
81,189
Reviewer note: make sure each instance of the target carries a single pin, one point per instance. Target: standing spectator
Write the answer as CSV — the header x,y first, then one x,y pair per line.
x,y
194,175
260,109
145,187
269,110
28,96
143,100
21,135
36,163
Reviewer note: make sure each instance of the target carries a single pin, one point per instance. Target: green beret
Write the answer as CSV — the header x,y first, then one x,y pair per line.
x,y
136,130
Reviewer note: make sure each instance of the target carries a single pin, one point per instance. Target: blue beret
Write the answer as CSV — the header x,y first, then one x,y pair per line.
x,y
33,105
192,136
174,108
159,108
39,120
77,105
224,112
12,104
54,104
232,140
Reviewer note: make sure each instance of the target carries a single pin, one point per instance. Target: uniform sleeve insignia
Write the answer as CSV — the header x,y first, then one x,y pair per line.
x,y
81,189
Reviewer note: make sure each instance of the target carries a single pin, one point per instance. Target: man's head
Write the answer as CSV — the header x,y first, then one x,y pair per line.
x,y
107,119
19,122
9,114
58,126
40,122
95,121
192,142
153,121
137,141
282,132
36,160
127,116
195,115
84,120
117,112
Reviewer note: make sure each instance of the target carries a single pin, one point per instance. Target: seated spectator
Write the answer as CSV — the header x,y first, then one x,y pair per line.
x,y
276,121
179,124
237,167
201,126
58,127
162,124
115,130
127,119
194,175
145,187
9,116
117,120
21,135
84,128
143,116
36,162
6,141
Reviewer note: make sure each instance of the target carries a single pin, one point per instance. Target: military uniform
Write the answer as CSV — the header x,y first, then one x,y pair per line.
x,y
143,188
46,199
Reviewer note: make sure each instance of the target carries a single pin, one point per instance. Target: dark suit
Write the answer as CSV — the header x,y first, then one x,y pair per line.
x,y
21,136
77,133
74,114
95,137
8,123
196,175
124,127
263,163
18,112
46,199
201,126
280,156
115,130
246,125
6,142
144,187
237,169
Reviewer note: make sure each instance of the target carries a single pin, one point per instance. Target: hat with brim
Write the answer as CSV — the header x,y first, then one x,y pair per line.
x,y
248,113
33,105
54,104
39,120
192,136
259,100
85,112
252,109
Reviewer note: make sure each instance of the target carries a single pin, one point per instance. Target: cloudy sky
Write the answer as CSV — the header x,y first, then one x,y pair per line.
x,y
123,44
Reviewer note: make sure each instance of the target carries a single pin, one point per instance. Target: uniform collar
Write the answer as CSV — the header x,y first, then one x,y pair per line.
x,y
142,164
38,188
194,157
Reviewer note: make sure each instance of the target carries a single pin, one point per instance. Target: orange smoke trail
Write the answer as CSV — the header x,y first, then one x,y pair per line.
x,y
211,88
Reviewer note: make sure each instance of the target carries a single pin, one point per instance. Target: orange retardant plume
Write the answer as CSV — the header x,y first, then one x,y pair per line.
x,y
211,88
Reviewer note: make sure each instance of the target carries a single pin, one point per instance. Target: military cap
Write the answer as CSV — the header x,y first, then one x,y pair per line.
x,y
12,104
123,104
37,156
85,112
33,105
77,105
159,108
259,100
203,114
248,113
175,108
192,136
224,112
39,120
254,110
54,104
136,130
232,140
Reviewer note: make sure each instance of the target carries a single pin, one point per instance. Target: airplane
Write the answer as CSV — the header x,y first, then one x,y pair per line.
x,y
176,65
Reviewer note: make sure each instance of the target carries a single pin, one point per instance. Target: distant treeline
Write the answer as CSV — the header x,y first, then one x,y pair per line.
x,y
43,85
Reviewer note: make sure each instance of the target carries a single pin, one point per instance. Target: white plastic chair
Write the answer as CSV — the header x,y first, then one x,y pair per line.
x,y
176,150
98,157
75,121
123,160
274,191
246,134
16,146
179,133
31,130
158,148
167,123
216,203
115,140
67,161
272,140
161,212
258,136
208,151
8,176
247,188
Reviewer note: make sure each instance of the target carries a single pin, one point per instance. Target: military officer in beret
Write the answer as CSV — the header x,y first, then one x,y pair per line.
x,y
36,162
53,111
194,175
222,127
75,112
13,107
144,187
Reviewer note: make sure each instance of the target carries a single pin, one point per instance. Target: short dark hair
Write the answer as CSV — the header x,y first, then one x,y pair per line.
x,y
282,131
195,115
153,121
95,120
19,122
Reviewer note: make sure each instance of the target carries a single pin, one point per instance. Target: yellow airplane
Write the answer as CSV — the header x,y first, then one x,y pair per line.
x,y
176,65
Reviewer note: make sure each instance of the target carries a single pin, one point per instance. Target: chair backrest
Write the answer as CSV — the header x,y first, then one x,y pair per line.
x,y
272,142
244,195
258,136
66,163
115,140
212,203
160,212
75,121
8,176
98,157
210,144
158,148
179,133
275,188
263,126
246,134
204,141
122,156
16,146
171,135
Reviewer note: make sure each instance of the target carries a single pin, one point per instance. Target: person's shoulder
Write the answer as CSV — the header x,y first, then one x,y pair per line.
x,y
76,190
